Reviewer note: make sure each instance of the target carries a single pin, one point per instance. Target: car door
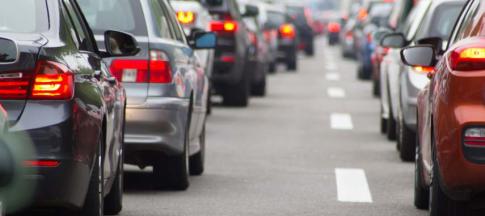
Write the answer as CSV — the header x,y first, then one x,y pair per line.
x,y
192,73
110,90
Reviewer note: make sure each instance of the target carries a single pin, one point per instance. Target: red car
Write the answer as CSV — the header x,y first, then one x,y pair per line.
x,y
450,167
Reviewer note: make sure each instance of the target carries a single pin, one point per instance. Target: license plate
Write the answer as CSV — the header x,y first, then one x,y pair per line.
x,y
129,75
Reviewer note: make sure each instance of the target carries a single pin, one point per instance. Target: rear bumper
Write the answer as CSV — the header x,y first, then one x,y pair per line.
x,y
157,126
287,50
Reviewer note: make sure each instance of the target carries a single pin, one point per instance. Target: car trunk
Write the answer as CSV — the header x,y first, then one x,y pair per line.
x,y
16,70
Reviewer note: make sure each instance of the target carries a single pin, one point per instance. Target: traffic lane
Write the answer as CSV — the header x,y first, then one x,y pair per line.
x,y
279,156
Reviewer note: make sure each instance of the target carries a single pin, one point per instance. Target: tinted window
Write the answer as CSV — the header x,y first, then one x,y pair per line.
x,y
120,15
8,53
275,19
160,18
441,22
32,17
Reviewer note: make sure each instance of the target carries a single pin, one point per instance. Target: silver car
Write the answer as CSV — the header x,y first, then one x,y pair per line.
x,y
166,86
432,25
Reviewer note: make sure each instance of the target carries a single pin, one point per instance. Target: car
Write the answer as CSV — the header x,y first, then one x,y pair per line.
x,y
302,19
194,17
259,53
347,38
434,29
333,32
389,72
450,168
287,38
267,14
378,13
232,75
166,87
59,94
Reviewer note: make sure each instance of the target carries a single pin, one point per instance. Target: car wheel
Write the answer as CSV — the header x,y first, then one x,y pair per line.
x,y
376,88
421,193
406,139
113,203
383,122
259,89
391,125
310,49
93,205
439,203
209,101
173,171
292,64
197,161
237,95
272,67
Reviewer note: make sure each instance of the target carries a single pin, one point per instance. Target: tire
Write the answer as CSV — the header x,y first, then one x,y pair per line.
x,y
406,139
376,88
439,203
421,193
391,125
292,64
237,95
173,171
209,101
94,203
197,161
310,49
113,203
360,73
272,68
259,89
383,125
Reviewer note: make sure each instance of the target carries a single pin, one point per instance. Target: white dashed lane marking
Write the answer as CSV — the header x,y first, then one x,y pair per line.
x,y
334,92
332,76
341,121
352,186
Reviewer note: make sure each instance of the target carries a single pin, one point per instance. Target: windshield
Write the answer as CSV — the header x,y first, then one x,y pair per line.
x,y
275,19
120,15
32,19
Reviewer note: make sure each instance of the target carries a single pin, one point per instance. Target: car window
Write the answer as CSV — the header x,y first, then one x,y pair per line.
x,y
32,18
465,23
441,22
161,21
81,31
422,10
119,15
173,22
275,19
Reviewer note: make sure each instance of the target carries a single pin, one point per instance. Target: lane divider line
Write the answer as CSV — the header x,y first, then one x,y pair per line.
x,y
334,92
341,121
352,186
332,76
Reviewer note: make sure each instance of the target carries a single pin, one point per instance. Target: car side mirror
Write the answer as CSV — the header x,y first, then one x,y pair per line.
x,y
436,42
203,40
420,55
378,35
394,40
119,44
251,11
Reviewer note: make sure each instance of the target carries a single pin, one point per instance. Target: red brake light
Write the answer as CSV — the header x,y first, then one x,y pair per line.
x,y
333,27
53,81
474,137
42,163
155,70
186,17
287,31
224,26
425,70
467,59
14,85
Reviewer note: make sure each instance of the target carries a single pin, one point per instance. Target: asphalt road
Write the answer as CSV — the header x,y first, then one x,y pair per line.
x,y
311,147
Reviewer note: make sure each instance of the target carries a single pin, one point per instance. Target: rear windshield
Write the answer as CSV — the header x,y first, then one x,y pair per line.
x,y
33,17
441,23
275,19
119,15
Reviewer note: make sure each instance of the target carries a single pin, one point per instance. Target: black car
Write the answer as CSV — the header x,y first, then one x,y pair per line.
x,y
232,75
59,94
301,18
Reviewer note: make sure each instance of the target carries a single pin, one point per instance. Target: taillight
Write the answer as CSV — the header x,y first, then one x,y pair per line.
x,y
467,59
474,137
425,70
52,81
287,31
155,70
224,26
14,85
186,17
333,27
42,163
